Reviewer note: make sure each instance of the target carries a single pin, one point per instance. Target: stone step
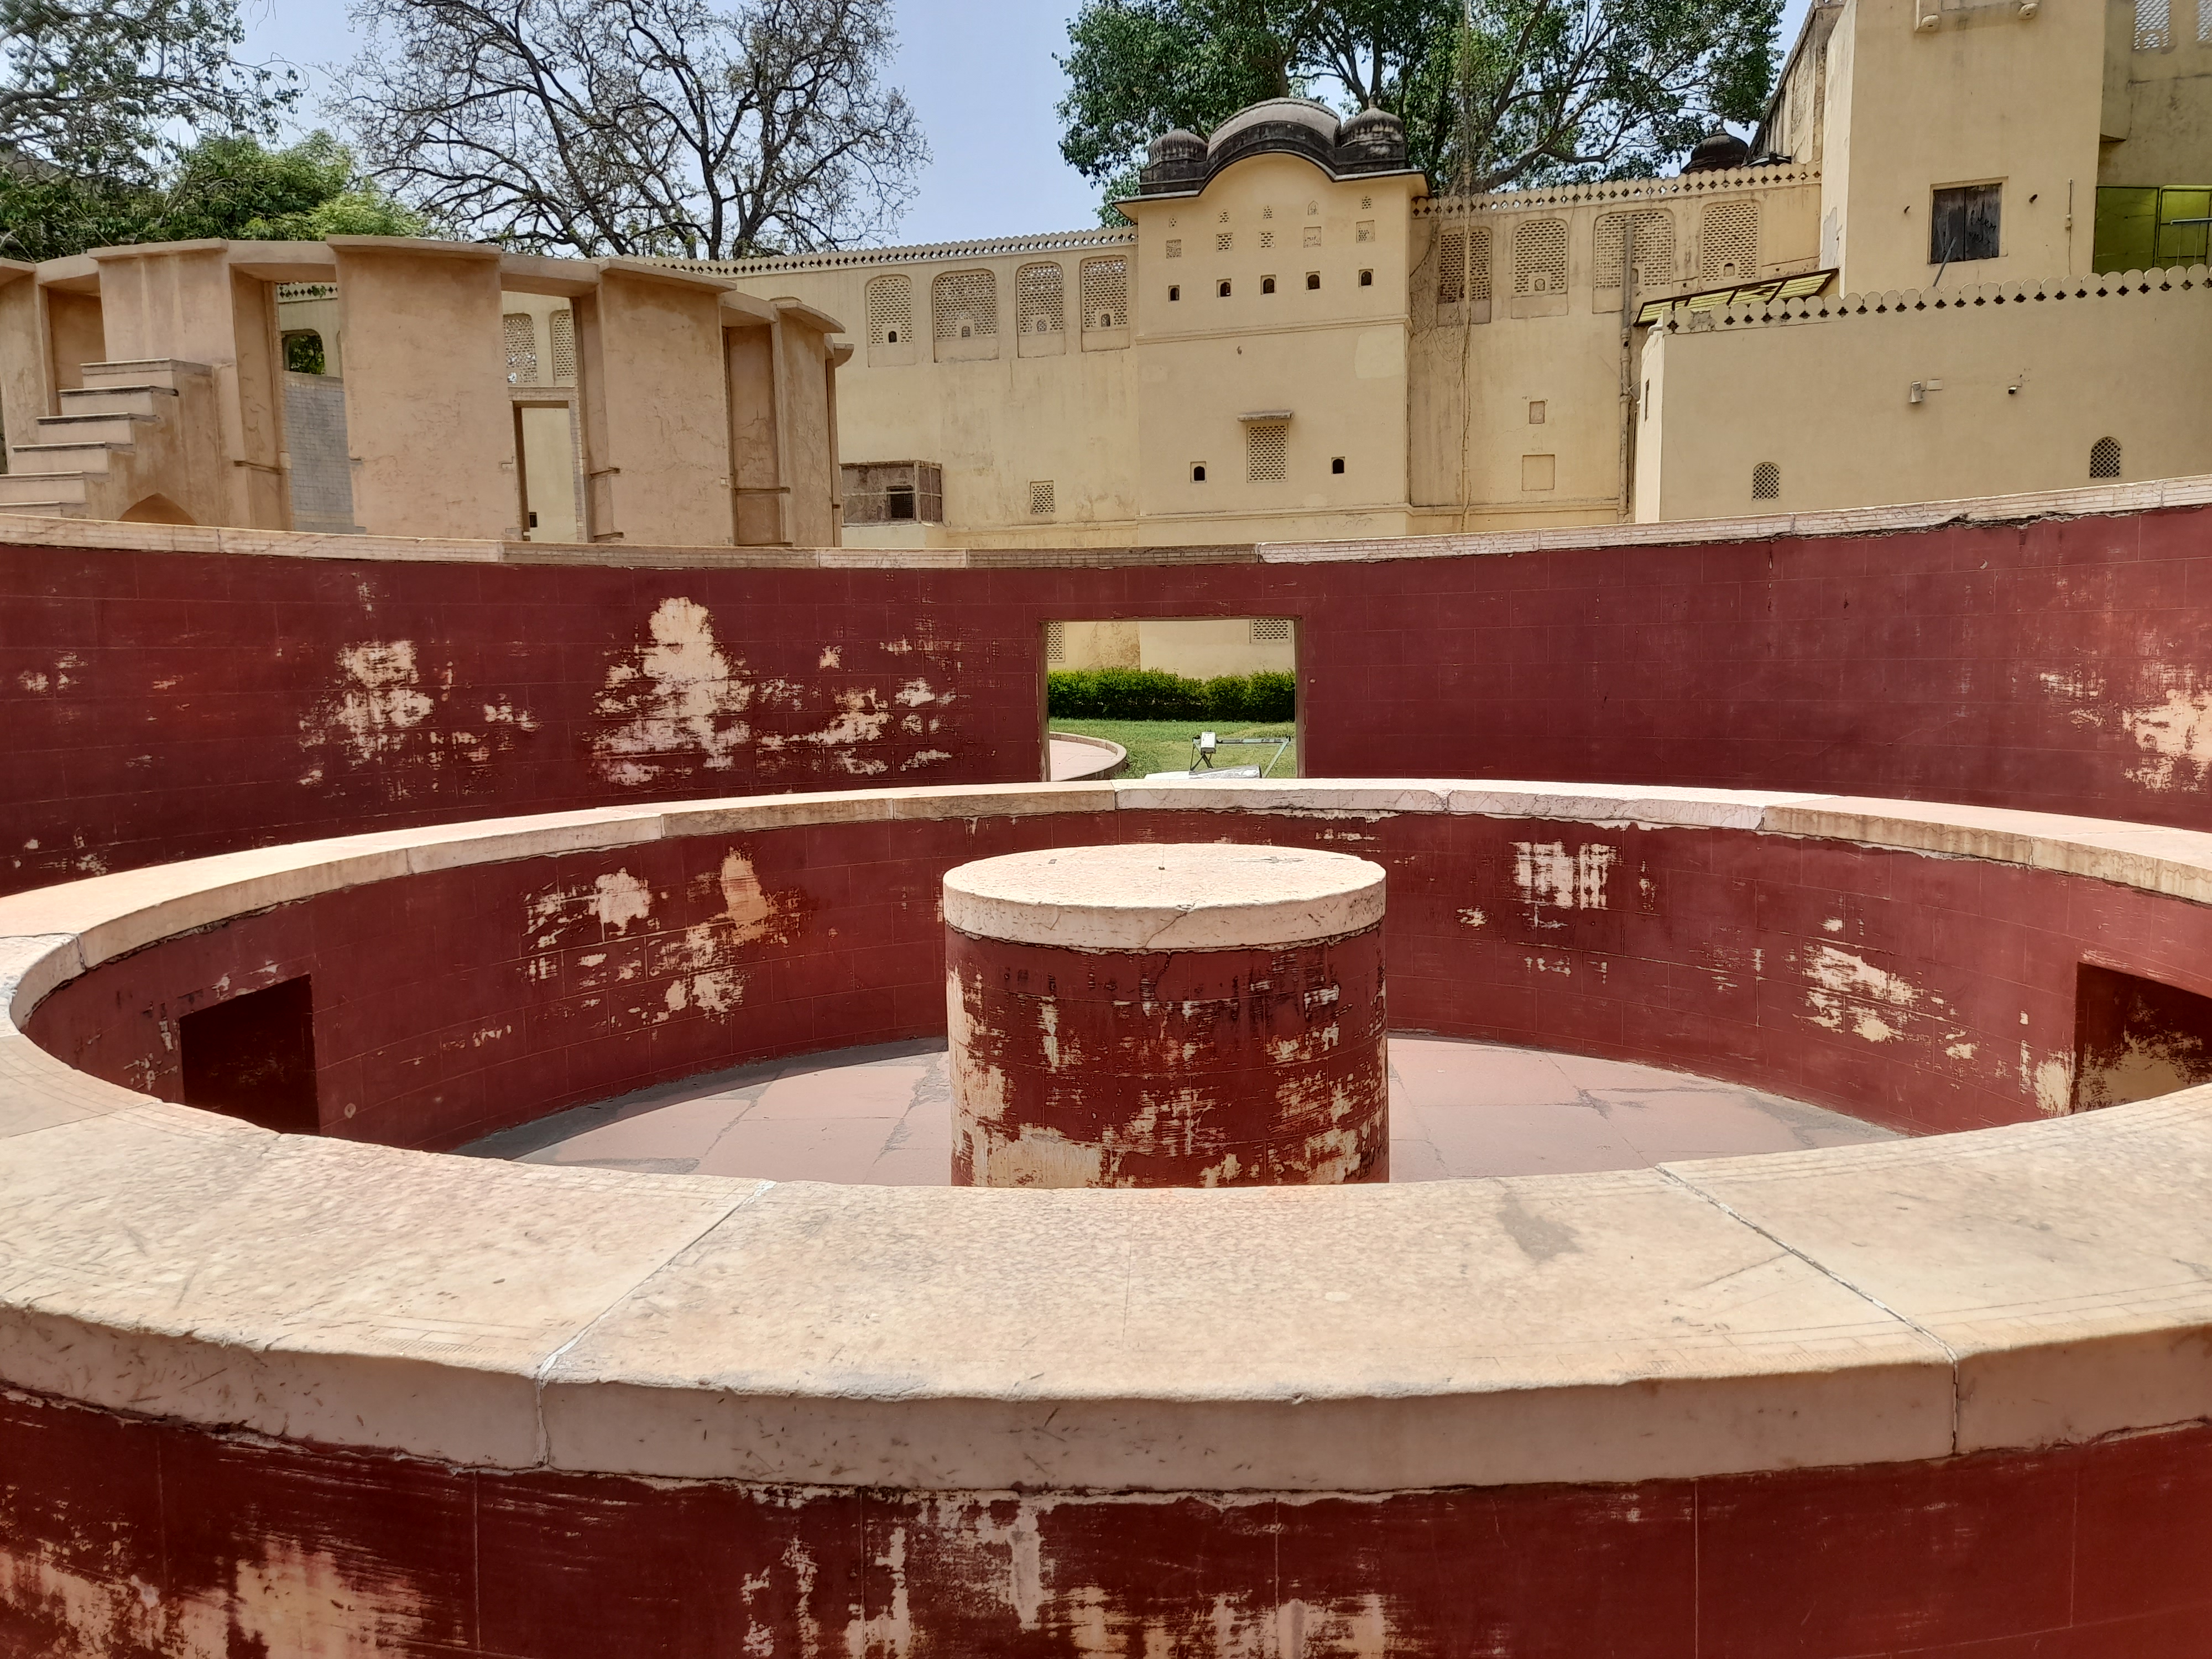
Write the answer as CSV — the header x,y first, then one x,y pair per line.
x,y
98,427
151,401
97,459
28,491
146,371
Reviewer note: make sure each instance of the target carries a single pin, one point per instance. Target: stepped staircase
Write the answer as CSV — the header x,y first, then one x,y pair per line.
x,y
119,440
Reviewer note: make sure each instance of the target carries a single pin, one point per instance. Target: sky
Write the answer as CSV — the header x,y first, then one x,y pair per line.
x,y
980,74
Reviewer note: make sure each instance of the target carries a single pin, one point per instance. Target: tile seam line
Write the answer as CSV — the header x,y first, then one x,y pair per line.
x,y
543,1372
1950,1354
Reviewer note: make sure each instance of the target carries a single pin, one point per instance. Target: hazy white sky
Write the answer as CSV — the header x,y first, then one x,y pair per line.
x,y
980,73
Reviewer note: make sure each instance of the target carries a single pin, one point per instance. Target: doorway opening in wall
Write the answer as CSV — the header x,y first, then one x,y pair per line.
x,y
253,1057
1203,697
2136,1037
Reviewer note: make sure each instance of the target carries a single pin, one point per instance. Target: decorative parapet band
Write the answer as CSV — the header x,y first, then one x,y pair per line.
x,y
1721,182
1815,308
852,258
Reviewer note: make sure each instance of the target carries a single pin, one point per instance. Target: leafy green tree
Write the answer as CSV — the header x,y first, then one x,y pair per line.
x,y
229,188
1493,93
99,89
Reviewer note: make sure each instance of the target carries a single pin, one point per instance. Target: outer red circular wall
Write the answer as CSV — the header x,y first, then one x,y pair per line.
x,y
1261,1066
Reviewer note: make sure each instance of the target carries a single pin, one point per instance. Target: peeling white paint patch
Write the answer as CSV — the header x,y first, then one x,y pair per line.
x,y
677,704
1832,925
1847,993
922,758
1960,1050
1472,918
2049,1082
2175,736
384,699
620,898
833,656
1547,876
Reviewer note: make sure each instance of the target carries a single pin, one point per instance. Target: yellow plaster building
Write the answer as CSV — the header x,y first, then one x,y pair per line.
x,y
1296,342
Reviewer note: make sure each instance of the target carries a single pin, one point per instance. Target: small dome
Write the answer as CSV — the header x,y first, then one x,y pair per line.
x,y
1716,151
1370,121
1295,112
1177,144
1372,138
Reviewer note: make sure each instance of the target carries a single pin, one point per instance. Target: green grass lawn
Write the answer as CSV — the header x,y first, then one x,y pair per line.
x,y
1164,745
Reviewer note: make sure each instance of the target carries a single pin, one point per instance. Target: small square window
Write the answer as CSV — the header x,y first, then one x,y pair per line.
x,y
1964,226
1313,235
1175,293
1222,290
1539,472
1535,411
1175,247
1313,279
1224,241
1266,239
1198,472
1365,230
1043,504
1266,285
1336,463
1367,279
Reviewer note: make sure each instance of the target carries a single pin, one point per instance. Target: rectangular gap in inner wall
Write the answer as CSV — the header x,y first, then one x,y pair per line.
x,y
2136,1037
1160,688
253,1057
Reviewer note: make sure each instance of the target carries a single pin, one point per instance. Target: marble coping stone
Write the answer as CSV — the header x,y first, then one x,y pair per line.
x,y
1173,895
2018,1287
2148,495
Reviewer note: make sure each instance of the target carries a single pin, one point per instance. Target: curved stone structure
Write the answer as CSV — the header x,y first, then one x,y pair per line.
x,y
345,1394
2037,652
1179,1015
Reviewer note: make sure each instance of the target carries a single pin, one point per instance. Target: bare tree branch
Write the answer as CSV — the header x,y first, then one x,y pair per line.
x,y
636,126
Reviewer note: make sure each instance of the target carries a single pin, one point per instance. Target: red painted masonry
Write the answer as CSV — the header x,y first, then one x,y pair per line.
x,y
163,706
119,1537
1928,994
1257,1068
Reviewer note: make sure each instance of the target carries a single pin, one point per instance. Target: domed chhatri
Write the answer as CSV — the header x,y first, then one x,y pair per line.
x,y
1167,1016
1373,142
1717,152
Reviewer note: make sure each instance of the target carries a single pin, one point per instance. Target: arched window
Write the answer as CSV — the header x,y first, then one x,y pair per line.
x,y
967,305
1766,482
1106,293
891,310
1540,256
1040,298
2105,458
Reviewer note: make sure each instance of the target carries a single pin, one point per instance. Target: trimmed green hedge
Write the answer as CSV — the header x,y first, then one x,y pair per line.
x,y
1153,694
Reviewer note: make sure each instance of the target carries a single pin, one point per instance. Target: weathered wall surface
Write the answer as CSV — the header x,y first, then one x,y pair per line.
x,y
1930,995
245,1546
161,706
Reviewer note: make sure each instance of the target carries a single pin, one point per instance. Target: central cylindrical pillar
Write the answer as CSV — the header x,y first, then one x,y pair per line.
x,y
1174,1016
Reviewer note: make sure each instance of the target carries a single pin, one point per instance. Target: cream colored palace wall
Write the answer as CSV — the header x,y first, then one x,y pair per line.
x,y
2157,102
2132,366
996,419
1984,96
1332,359
1197,647
1480,366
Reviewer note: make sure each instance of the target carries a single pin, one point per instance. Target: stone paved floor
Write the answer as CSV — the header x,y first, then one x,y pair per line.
x,y
882,1115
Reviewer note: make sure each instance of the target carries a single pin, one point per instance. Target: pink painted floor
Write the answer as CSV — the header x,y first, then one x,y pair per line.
x,y
883,1117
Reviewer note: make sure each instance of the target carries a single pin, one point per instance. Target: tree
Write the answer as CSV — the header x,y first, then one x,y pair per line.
x,y
229,187
1492,93
637,127
95,90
